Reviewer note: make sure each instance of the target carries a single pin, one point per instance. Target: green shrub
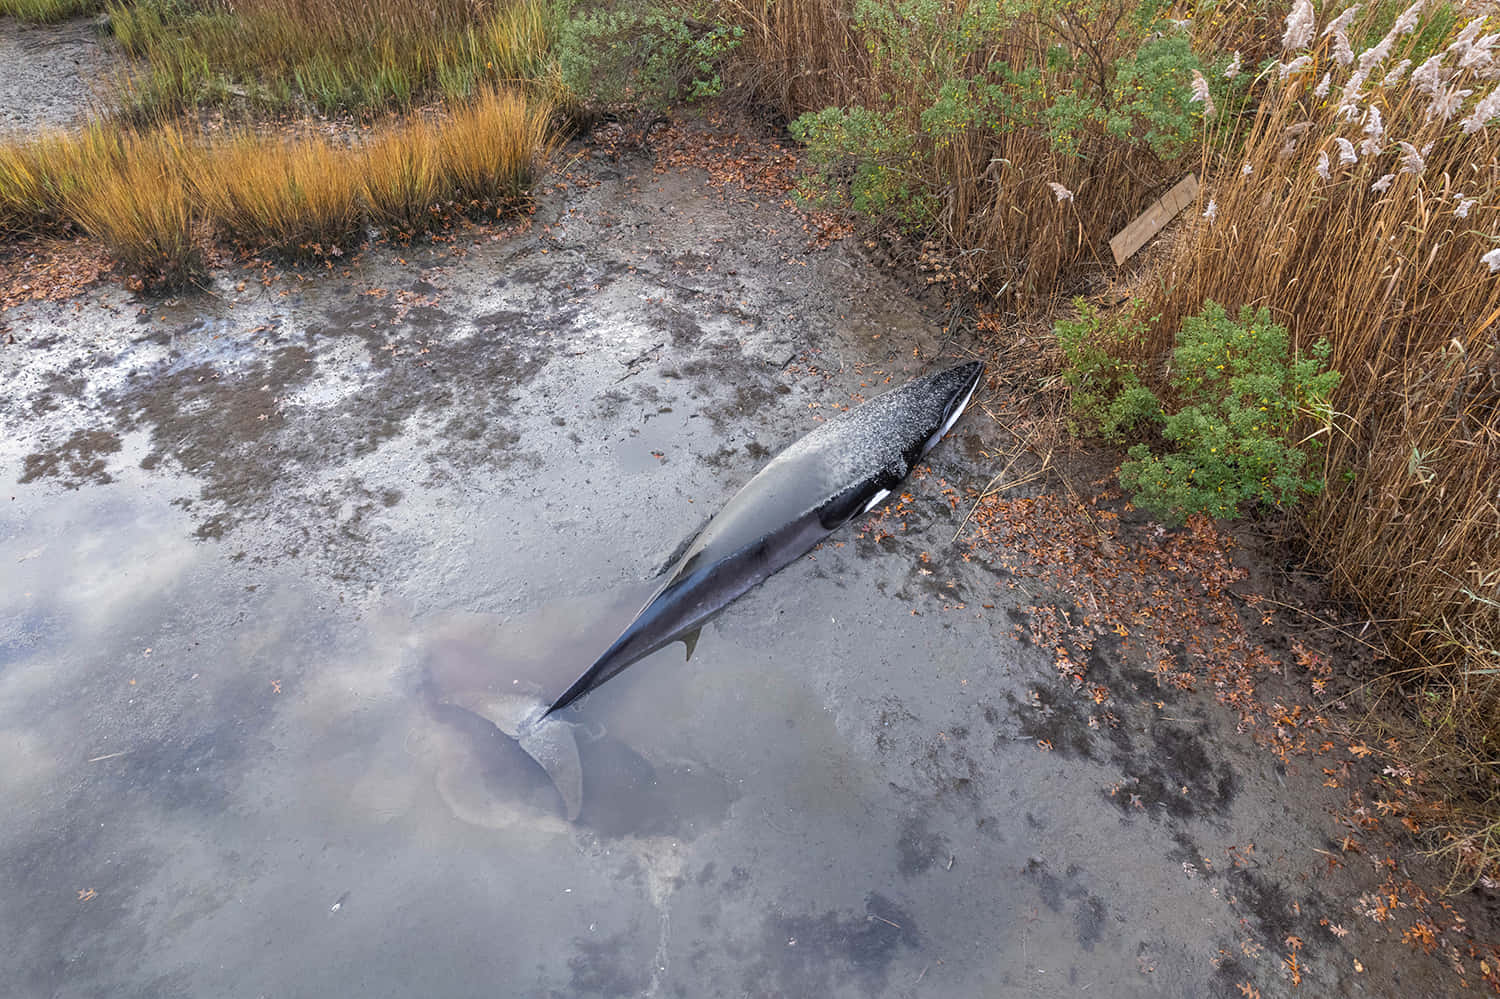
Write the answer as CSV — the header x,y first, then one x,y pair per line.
x,y
862,153
1242,401
648,54
1091,78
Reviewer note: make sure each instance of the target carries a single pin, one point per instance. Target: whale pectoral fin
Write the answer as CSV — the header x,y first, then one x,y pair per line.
x,y
554,745
862,497
691,641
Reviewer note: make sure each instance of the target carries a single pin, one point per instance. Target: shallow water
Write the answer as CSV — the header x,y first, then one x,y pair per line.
x,y
223,754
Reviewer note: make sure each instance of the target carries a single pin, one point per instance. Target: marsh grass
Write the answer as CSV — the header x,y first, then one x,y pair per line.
x,y
1365,211
48,11
288,55
140,207
151,196
401,183
489,149
39,178
1010,138
298,197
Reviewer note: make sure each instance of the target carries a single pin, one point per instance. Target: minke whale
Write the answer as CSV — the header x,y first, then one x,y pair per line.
x,y
841,470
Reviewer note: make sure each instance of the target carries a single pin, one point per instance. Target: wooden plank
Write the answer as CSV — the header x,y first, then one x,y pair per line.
x,y
1153,219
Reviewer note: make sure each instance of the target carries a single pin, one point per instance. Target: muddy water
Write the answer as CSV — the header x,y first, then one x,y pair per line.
x,y
274,552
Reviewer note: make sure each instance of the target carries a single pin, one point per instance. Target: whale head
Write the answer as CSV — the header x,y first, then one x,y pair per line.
x,y
953,388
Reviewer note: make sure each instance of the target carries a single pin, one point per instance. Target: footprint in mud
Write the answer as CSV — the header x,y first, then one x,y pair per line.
x,y
483,680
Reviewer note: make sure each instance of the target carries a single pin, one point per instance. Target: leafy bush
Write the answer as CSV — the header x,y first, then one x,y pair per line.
x,y
859,152
647,54
1243,401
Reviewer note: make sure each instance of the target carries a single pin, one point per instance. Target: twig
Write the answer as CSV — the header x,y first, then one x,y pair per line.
x,y
109,756
990,487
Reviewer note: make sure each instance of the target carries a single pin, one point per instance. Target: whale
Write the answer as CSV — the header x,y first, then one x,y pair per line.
x,y
843,469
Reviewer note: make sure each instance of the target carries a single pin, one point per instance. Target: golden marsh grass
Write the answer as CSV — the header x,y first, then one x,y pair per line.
x,y
147,194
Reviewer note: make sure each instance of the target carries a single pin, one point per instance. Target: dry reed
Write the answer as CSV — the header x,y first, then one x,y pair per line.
x,y
1011,211
147,195
1364,208
800,55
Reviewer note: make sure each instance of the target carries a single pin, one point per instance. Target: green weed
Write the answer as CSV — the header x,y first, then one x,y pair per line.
x,y
48,11
653,54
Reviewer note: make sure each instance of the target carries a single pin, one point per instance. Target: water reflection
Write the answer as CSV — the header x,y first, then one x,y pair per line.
x,y
480,677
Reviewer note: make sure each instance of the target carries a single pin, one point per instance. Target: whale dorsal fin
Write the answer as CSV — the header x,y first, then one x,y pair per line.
x,y
691,641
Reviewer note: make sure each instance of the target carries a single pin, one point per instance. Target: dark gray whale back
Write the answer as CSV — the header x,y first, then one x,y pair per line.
x,y
833,471
837,472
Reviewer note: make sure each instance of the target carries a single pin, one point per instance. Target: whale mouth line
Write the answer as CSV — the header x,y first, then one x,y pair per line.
x,y
956,411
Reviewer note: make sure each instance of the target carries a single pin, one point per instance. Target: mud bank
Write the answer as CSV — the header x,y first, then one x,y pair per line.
x,y
234,521
48,73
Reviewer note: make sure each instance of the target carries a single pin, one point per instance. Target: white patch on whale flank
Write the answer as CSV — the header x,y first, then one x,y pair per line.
x,y
874,500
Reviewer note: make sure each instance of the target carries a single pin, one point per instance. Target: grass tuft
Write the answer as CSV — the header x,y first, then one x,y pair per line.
x,y
297,197
489,149
48,11
141,208
39,178
147,195
401,181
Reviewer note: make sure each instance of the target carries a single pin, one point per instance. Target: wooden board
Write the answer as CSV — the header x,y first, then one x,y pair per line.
x,y
1150,222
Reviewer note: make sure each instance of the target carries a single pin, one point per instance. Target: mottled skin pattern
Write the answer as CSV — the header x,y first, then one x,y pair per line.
x,y
842,469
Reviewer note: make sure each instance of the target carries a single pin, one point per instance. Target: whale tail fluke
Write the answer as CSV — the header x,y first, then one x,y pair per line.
x,y
552,744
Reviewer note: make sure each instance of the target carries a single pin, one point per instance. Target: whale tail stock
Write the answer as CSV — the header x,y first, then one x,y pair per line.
x,y
603,669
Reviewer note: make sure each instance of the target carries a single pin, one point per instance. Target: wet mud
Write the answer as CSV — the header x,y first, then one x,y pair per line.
x,y
50,73
276,551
